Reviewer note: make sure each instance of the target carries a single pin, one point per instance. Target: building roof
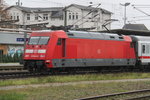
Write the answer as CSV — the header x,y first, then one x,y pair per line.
x,y
130,32
57,12
36,10
89,8
56,9
140,27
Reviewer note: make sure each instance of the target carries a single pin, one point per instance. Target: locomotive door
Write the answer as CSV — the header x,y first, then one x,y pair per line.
x,y
62,50
63,47
128,53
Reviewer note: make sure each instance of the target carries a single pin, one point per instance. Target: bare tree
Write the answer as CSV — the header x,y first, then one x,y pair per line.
x,y
5,19
4,16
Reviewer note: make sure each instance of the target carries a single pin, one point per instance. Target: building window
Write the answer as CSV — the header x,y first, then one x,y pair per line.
x,y
14,17
28,16
36,16
45,16
61,18
77,16
69,16
76,26
17,17
11,17
73,16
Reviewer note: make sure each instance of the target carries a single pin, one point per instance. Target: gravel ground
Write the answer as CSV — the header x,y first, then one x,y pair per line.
x,y
70,83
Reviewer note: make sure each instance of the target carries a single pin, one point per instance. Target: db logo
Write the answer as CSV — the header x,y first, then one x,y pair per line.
x,y
99,51
35,51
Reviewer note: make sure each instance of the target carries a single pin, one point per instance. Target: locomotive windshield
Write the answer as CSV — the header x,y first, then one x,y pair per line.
x,y
38,40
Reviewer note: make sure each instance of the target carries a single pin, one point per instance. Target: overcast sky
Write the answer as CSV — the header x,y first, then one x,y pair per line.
x,y
134,16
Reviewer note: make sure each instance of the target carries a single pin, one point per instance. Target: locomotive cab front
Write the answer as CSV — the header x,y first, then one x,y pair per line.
x,y
40,49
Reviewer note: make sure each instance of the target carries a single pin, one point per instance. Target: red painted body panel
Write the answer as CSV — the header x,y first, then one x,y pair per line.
x,y
77,48
96,49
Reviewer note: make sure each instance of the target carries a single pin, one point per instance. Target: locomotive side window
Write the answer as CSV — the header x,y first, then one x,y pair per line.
x,y
59,41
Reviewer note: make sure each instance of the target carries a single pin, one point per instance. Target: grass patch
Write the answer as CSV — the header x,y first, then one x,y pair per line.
x,y
74,78
12,96
72,92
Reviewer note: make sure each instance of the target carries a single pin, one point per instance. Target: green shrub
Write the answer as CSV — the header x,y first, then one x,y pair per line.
x,y
10,58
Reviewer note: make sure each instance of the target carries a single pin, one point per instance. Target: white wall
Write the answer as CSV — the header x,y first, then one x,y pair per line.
x,y
14,13
83,22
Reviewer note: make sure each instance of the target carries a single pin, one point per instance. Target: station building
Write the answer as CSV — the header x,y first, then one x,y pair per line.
x,y
78,16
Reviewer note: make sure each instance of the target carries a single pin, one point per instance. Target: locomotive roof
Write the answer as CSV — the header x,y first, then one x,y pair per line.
x,y
94,35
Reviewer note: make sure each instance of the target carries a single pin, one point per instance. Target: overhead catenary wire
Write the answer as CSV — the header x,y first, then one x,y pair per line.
x,y
137,8
86,15
87,20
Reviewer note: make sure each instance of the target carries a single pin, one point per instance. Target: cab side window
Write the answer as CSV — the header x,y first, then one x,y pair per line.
x,y
59,42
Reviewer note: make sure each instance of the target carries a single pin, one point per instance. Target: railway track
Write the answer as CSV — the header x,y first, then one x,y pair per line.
x,y
123,94
13,71
17,71
140,98
21,74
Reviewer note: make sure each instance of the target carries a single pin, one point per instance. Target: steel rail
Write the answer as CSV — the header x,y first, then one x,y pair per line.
x,y
27,74
140,98
115,94
15,75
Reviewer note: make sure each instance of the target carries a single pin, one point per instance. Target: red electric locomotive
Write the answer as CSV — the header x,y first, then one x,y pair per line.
x,y
74,49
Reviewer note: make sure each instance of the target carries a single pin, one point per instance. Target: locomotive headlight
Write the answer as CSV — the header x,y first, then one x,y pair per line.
x,y
47,61
29,51
42,51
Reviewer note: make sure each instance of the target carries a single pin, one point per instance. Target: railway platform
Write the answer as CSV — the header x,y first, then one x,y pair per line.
x,y
9,67
10,64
